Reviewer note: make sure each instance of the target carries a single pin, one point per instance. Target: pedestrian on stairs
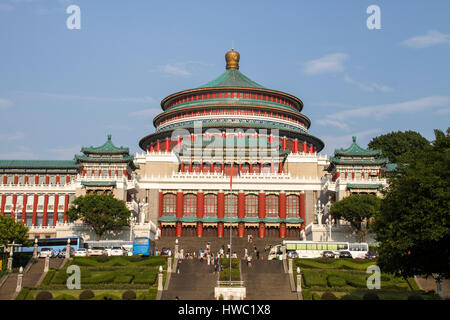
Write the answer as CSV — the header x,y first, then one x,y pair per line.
x,y
249,261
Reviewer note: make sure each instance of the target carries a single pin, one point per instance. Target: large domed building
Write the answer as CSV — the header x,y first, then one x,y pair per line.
x,y
231,126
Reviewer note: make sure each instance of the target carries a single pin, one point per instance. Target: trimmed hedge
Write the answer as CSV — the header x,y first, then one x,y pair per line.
x,y
328,296
44,295
86,295
129,295
64,297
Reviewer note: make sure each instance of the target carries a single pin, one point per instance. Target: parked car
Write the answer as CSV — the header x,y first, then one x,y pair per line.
x,y
97,251
345,254
62,253
46,252
292,254
165,251
116,251
371,255
81,252
328,254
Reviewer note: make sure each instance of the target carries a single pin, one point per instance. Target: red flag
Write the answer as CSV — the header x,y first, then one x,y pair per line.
x,y
231,177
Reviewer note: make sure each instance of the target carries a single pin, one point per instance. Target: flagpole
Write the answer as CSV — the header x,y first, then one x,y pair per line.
x,y
231,190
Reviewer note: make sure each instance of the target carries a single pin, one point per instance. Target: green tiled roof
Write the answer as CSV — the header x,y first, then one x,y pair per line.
x,y
356,150
108,147
390,167
98,183
337,160
232,78
38,164
363,186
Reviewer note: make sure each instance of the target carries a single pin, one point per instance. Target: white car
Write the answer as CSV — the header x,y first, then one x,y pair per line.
x,y
115,251
97,251
46,252
81,252
128,250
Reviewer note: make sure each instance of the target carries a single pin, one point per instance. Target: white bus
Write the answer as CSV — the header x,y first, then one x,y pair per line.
x,y
315,249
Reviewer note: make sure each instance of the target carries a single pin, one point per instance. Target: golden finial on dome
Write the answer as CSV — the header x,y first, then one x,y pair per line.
x,y
232,59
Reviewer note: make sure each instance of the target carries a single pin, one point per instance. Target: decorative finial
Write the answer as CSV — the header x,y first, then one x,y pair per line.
x,y
354,139
109,136
232,59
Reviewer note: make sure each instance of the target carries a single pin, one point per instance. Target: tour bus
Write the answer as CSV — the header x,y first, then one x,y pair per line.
x,y
315,249
143,246
56,244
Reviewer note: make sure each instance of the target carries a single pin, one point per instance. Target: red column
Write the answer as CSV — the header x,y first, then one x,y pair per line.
x,y
36,180
125,173
66,207
262,205
296,146
241,230
304,147
35,204
3,204
26,180
302,205
44,216
338,174
179,229
67,179
283,143
179,212
158,146
220,205
182,166
200,204
55,211
16,180
201,166
223,167
160,204
5,179
250,170
199,229
241,205
178,143
220,230
13,212
283,230
280,167
262,230
282,204
24,209
190,167
211,169
57,179
346,174
353,175
167,145
311,149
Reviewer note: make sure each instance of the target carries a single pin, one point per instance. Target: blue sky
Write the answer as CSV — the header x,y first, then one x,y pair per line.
x,y
62,89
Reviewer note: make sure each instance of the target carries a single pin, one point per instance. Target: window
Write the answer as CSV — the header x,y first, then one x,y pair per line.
x,y
169,204
231,205
272,206
292,205
210,205
189,205
251,205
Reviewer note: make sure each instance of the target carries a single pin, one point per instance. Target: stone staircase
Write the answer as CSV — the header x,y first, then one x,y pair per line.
x,y
196,281
266,280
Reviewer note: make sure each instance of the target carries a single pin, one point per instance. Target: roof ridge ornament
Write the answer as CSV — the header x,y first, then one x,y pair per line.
x,y
109,136
354,139
232,58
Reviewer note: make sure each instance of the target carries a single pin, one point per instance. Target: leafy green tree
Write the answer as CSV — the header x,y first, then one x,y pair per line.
x,y
413,225
399,146
103,213
356,209
10,231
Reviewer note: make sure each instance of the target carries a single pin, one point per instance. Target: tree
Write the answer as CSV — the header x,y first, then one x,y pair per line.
x,y
399,146
10,231
102,212
413,225
356,209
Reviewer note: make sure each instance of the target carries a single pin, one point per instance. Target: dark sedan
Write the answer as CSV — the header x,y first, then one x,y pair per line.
x,y
371,255
345,254
328,254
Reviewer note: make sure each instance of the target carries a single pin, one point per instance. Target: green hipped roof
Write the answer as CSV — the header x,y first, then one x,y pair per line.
x,y
232,78
356,150
99,183
363,186
38,164
107,148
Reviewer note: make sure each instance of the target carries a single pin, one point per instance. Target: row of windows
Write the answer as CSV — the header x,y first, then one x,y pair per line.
x,y
245,168
30,200
35,179
39,218
243,95
272,205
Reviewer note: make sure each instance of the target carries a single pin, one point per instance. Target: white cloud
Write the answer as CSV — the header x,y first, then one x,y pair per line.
x,y
176,69
443,111
432,38
380,111
330,63
368,87
12,136
5,103
100,99
22,153
344,141
330,122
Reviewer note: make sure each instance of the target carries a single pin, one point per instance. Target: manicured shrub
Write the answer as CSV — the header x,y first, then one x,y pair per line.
x,y
350,297
106,296
44,295
370,296
415,296
335,281
86,295
129,295
328,296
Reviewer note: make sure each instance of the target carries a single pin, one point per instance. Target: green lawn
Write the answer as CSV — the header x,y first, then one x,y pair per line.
x,y
235,270
347,277
105,276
